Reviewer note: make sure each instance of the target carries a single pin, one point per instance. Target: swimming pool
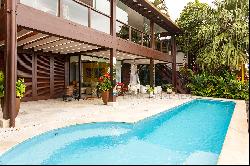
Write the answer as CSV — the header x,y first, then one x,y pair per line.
x,y
192,133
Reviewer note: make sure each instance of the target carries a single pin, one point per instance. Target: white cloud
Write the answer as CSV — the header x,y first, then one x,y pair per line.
x,y
176,6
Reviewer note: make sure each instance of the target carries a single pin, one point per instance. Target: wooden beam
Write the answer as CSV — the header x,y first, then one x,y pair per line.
x,y
34,76
52,66
80,76
174,52
10,62
152,35
67,71
152,73
60,8
113,51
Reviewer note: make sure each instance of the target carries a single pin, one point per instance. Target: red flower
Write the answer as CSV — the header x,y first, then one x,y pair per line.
x,y
107,75
100,79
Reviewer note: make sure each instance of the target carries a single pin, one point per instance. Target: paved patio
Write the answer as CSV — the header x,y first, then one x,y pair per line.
x,y
41,116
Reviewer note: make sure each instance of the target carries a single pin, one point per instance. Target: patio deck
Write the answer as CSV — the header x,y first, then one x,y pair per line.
x,y
40,116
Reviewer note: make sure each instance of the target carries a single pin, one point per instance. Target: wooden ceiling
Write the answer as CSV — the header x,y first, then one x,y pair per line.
x,y
27,39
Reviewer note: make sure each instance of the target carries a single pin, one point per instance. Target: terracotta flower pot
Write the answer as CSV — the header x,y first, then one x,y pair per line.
x,y
105,97
17,106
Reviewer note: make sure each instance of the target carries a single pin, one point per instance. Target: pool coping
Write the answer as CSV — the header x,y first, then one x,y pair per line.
x,y
235,146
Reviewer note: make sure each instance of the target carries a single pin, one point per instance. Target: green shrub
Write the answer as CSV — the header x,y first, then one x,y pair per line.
x,y
1,84
165,87
223,85
20,86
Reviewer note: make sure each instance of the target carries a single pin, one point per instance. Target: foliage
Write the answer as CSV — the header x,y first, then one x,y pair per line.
x,y
223,85
165,87
150,89
1,84
161,5
215,36
104,83
20,86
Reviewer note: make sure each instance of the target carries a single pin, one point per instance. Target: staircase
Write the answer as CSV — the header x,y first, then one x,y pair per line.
x,y
166,73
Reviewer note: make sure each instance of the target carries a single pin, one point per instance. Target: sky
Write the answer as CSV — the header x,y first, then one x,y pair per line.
x,y
175,6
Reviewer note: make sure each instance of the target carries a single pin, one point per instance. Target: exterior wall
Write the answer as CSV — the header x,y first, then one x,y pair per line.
x,y
179,60
44,75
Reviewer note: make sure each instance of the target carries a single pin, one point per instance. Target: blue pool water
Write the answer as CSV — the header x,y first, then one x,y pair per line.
x,y
192,133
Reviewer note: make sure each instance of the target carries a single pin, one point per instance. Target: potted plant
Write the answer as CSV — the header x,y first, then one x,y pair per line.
x,y
104,85
168,88
20,90
150,90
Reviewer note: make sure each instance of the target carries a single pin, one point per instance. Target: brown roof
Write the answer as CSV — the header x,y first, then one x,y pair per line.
x,y
147,9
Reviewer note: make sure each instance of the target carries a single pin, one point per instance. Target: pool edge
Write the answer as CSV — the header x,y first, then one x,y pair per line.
x,y
235,148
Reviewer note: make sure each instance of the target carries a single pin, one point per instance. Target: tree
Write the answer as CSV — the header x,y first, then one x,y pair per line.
x,y
192,18
217,37
161,5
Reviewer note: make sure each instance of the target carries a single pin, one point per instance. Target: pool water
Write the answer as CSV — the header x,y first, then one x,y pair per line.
x,y
192,133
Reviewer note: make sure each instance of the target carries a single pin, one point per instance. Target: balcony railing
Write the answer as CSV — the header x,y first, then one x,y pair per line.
x,y
73,10
86,15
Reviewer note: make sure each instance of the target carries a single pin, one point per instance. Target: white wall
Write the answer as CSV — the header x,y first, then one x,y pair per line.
x,y
179,59
118,71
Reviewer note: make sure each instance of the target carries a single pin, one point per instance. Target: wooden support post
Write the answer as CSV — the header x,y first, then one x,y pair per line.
x,y
152,45
34,76
60,8
113,4
80,76
112,97
152,35
52,66
89,17
161,46
142,35
67,71
173,54
130,33
10,62
152,73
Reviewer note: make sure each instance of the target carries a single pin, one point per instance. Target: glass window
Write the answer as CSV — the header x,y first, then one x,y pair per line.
x,y
129,16
100,22
122,30
102,6
75,12
48,6
136,36
158,37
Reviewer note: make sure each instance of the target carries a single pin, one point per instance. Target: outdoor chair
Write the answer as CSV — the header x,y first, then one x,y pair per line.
x,y
68,93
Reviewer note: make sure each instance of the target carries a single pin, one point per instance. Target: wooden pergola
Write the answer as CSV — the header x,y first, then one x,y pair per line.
x,y
24,29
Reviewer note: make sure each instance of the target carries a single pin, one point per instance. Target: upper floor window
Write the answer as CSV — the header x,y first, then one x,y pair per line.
x,y
75,12
48,6
102,6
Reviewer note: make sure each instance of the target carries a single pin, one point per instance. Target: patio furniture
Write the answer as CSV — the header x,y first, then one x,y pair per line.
x,y
68,93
